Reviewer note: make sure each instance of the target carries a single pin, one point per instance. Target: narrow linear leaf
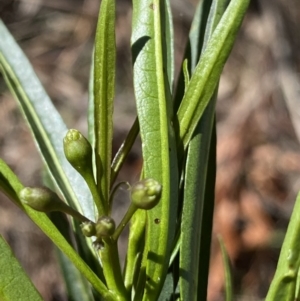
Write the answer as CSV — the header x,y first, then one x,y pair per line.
x,y
217,9
91,106
153,98
226,264
207,72
104,90
45,124
14,283
9,180
169,45
77,286
168,289
193,48
207,217
197,32
193,213
195,234
44,121
297,291
191,223
192,216
283,286
168,40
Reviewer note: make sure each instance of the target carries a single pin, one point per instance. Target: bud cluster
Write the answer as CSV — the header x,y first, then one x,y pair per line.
x,y
145,194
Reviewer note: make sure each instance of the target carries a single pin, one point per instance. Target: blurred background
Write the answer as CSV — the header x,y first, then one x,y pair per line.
x,y
258,122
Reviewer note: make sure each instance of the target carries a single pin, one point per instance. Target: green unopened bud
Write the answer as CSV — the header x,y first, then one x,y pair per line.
x,y
146,194
105,226
45,200
88,229
78,151
41,199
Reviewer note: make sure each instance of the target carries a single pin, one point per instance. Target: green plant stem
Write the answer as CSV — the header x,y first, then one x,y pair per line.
x,y
89,178
125,220
112,270
69,210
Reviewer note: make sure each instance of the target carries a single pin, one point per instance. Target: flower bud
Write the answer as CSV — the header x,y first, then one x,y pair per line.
x,y
146,194
88,229
41,199
78,151
105,226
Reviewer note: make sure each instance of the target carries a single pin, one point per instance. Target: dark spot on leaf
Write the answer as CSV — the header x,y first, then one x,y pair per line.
x,y
152,6
157,221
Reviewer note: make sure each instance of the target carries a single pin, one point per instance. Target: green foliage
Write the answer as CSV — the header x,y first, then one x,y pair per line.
x,y
171,208
284,284
12,187
14,283
226,264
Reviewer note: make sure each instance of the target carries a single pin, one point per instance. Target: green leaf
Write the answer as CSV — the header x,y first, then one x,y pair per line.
x,y
217,9
193,49
191,221
297,291
168,41
13,186
226,264
14,283
77,286
283,286
168,289
127,144
207,217
207,72
192,224
104,90
198,202
91,117
91,106
197,32
44,121
154,108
